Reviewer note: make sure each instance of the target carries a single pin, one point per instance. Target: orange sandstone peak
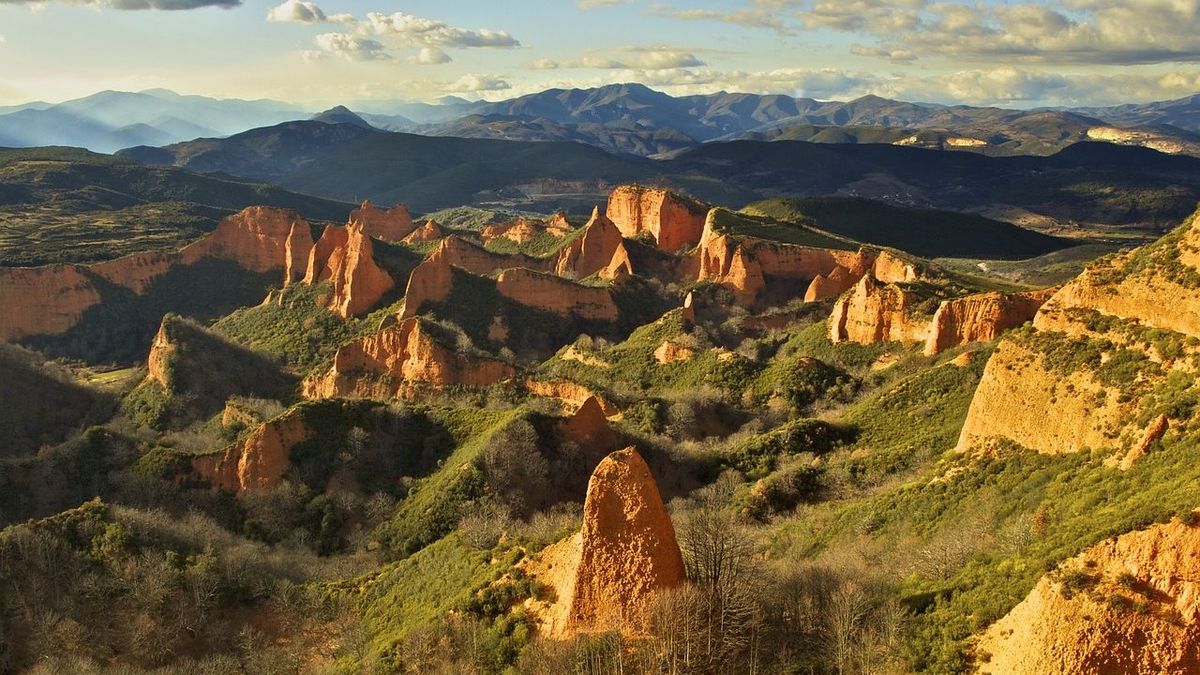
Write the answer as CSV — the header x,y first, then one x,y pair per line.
x,y
296,252
588,427
391,224
344,256
600,249
628,551
673,221
430,231
981,317
255,238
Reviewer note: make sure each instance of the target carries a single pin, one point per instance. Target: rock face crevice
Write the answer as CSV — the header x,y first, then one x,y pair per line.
x,y
1055,630
397,360
628,551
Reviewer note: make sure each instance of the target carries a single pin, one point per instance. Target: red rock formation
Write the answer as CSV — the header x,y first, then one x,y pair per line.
x,y
837,282
553,294
391,224
50,300
157,368
570,392
673,221
429,282
388,362
672,352
628,551
1055,630
259,462
255,238
890,268
588,428
358,283
688,314
430,231
333,237
599,250
981,317
296,252
877,312
43,300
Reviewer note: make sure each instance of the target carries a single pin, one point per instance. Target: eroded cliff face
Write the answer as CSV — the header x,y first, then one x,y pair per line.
x,y
572,394
399,359
391,224
158,363
51,300
874,311
599,250
554,294
255,238
344,256
1087,373
981,317
296,252
673,221
588,428
1102,628
258,463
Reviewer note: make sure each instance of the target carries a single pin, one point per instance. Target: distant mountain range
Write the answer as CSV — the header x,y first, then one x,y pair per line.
x,y
620,118
1087,184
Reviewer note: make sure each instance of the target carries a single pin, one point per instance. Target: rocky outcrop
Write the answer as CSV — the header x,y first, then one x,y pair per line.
x,y
44,300
400,359
50,300
599,250
344,256
877,312
158,364
430,231
1143,307
522,229
554,294
431,281
391,224
255,238
1157,429
981,317
259,462
671,351
572,393
673,221
628,550
823,287
1137,611
296,252
588,428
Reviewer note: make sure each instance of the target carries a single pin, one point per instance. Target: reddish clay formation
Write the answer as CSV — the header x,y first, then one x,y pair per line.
x,y
430,231
258,463
981,317
628,553
296,252
344,257
554,294
588,428
571,393
1055,630
673,221
599,250
161,348
877,312
392,361
1157,429
50,300
391,224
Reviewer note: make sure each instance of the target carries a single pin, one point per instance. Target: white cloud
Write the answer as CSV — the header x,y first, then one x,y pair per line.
x,y
542,64
592,4
351,47
429,56
625,58
302,11
412,30
477,83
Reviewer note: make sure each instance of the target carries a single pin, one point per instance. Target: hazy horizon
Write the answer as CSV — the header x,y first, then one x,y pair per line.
x,y
323,53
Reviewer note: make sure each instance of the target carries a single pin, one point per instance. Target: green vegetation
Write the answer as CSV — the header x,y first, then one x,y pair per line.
x,y
71,205
295,329
765,224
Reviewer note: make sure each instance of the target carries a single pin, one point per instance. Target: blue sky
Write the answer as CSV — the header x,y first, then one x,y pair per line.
x,y
1017,53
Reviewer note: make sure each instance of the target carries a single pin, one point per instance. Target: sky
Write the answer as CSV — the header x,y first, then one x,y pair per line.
x,y
1016,53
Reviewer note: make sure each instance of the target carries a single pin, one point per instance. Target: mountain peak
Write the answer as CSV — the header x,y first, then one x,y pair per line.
x,y
340,115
